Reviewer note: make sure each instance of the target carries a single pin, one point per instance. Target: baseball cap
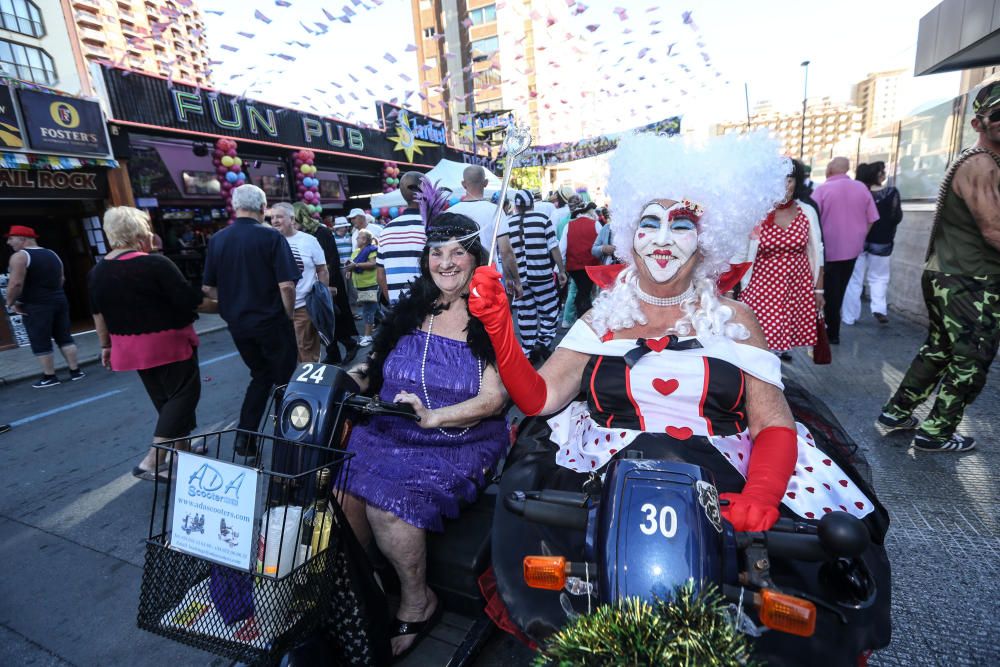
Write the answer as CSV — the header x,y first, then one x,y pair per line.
x,y
988,96
340,221
21,230
354,212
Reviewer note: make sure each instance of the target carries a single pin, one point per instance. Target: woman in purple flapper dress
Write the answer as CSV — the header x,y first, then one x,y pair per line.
x,y
407,477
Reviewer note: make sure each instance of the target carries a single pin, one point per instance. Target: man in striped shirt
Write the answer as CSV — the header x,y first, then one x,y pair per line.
x,y
401,243
533,239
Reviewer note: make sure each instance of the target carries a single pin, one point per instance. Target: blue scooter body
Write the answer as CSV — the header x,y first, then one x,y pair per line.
x,y
659,526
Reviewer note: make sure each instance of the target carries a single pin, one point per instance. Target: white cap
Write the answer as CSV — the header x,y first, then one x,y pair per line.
x,y
340,221
354,212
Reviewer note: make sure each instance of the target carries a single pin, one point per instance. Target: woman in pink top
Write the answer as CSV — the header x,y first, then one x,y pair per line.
x,y
144,312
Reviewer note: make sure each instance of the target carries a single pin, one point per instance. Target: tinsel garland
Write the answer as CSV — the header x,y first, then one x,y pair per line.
x,y
693,628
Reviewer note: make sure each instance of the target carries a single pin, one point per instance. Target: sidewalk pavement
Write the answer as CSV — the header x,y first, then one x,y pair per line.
x,y
20,364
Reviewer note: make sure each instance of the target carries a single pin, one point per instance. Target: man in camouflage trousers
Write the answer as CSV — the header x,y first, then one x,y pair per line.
x,y
961,287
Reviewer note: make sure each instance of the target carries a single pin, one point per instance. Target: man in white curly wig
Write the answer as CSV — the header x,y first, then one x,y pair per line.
x,y
667,366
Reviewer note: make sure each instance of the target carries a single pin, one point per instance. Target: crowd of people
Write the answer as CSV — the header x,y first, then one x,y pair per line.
x,y
688,297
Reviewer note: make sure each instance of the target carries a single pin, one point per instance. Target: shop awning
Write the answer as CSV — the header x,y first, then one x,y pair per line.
x,y
40,161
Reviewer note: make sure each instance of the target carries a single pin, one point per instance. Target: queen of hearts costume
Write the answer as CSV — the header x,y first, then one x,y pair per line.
x,y
681,395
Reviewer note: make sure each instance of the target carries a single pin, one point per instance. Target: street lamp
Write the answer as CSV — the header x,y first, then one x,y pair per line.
x,y
805,96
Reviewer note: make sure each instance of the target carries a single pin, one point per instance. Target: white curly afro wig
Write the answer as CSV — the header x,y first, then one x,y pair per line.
x,y
736,179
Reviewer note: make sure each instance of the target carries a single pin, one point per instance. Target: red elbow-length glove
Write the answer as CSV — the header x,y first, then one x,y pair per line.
x,y
772,460
488,303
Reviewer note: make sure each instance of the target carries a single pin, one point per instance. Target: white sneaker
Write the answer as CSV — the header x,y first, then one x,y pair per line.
x,y
365,340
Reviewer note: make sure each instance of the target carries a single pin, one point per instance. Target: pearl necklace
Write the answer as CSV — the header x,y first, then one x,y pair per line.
x,y
665,300
423,379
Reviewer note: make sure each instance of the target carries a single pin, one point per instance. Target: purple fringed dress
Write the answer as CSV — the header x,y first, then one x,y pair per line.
x,y
421,475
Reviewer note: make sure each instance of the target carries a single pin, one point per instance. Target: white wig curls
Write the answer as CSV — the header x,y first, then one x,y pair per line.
x,y
736,179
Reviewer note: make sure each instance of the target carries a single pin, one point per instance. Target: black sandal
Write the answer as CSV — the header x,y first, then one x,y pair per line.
x,y
419,628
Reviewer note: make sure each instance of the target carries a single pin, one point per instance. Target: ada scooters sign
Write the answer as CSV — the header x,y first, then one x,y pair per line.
x,y
213,510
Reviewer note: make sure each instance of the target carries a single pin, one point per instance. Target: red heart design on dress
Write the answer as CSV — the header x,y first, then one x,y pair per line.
x,y
740,454
596,440
593,464
810,489
572,460
843,508
810,515
827,462
809,468
843,483
679,433
828,488
665,387
612,451
860,505
827,510
622,434
607,438
791,494
658,345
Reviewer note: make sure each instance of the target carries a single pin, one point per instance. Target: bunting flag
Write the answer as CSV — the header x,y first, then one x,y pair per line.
x,y
56,162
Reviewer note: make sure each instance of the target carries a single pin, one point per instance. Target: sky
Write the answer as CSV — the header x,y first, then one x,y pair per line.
x,y
657,61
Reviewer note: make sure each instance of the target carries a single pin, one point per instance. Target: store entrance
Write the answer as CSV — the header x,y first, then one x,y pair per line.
x,y
61,227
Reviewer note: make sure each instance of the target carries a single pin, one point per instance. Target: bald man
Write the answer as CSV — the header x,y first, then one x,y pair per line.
x,y
847,211
401,243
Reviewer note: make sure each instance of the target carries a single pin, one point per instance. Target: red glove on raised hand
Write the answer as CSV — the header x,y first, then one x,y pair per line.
x,y
488,303
772,460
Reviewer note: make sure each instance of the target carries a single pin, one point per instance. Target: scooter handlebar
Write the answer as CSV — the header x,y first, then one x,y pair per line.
x,y
838,534
548,513
374,406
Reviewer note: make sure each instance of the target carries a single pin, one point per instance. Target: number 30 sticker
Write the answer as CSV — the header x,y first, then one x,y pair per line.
x,y
663,519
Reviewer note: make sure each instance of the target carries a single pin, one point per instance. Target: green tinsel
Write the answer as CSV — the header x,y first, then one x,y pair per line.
x,y
691,629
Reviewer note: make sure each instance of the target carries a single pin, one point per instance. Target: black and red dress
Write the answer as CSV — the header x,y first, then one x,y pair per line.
x,y
684,400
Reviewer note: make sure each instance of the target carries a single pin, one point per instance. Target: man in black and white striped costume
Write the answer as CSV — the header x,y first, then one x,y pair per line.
x,y
536,249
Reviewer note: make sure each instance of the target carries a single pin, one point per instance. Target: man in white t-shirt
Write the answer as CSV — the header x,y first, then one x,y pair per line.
x,y
311,260
360,221
483,212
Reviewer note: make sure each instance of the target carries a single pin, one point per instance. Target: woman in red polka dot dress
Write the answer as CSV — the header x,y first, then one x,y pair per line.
x,y
784,286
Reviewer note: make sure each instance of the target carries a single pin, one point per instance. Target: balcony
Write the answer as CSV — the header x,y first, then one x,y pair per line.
x,y
92,37
87,19
92,5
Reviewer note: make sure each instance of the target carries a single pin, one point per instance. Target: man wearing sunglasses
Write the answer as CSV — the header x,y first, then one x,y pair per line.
x,y
961,286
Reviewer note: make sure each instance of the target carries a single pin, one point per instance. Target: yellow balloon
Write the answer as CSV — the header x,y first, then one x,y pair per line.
x,y
237,161
227,161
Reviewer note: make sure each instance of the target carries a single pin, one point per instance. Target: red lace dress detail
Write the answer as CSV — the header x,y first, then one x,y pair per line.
x,y
781,285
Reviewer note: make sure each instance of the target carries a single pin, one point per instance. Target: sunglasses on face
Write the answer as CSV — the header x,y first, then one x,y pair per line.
x,y
993,116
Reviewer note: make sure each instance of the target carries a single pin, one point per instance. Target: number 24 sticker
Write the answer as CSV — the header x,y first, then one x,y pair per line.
x,y
316,376
663,519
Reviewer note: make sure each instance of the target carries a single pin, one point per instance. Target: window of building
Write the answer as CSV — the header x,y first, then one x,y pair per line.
x,y
21,16
485,47
486,14
429,32
487,79
27,62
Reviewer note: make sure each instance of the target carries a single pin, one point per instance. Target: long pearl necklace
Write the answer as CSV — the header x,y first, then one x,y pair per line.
x,y
665,300
423,378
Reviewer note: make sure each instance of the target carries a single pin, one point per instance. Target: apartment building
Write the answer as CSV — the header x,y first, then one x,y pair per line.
x,y
828,126
165,37
476,56
878,98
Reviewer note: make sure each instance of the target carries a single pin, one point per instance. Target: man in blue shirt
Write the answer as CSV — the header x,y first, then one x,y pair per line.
x,y
249,268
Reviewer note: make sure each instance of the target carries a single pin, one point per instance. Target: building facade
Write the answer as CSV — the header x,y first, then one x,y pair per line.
x,y
830,129
481,56
878,98
35,46
164,37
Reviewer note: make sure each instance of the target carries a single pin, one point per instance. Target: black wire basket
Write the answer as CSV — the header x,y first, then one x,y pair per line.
x,y
254,612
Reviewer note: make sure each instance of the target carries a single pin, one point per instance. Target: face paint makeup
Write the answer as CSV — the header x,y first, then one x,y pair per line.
x,y
665,242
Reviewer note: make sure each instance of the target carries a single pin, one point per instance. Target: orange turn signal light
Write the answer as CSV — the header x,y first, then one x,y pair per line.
x,y
787,613
547,572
